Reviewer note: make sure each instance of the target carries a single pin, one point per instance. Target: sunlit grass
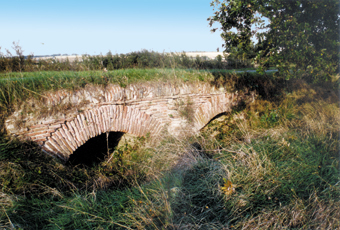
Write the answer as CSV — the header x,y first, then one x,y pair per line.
x,y
16,88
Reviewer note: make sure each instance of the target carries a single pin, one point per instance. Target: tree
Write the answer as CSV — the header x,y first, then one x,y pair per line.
x,y
299,37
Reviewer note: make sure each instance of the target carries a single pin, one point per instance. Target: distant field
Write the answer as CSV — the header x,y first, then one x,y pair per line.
x,y
72,58
211,55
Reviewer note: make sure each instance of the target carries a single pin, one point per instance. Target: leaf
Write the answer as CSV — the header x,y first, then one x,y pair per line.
x,y
313,25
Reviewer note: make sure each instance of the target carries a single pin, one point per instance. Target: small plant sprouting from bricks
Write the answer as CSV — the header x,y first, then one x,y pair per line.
x,y
186,110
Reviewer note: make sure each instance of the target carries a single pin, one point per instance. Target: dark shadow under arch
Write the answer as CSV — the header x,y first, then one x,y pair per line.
x,y
242,105
94,150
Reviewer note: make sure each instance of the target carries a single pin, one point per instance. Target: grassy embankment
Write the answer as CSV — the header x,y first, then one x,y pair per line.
x,y
16,87
271,164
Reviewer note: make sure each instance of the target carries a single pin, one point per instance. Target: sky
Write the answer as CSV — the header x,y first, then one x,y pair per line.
x,y
46,27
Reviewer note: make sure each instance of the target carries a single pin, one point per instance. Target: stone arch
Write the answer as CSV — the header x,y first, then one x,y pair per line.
x,y
215,105
73,133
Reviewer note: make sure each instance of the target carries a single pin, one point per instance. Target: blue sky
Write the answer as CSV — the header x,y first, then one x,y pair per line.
x,y
94,27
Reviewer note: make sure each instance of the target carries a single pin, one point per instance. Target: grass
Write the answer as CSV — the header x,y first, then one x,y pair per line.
x,y
271,164
16,88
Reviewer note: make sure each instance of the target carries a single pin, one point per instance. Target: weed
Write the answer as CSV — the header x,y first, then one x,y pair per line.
x,y
186,110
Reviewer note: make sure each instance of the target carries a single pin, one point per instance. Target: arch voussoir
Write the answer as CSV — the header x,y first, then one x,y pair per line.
x,y
217,104
88,124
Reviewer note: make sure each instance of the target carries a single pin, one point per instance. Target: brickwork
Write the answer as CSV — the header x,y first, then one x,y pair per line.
x,y
137,109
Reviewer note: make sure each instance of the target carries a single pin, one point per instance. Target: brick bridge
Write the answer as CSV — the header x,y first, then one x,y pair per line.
x,y
62,121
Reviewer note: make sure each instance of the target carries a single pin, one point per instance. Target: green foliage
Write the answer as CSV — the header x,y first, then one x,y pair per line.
x,y
239,58
139,59
17,63
301,38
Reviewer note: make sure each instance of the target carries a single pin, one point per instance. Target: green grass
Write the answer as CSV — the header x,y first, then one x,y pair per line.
x,y
271,174
280,153
16,87
81,211
42,81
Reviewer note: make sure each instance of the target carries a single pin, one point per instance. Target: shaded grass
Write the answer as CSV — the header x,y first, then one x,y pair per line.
x,y
81,211
27,171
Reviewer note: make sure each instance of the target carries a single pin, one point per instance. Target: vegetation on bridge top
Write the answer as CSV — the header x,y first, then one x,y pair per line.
x,y
16,87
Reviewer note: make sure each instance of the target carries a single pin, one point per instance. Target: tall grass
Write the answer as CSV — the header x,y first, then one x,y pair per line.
x,y
272,164
16,88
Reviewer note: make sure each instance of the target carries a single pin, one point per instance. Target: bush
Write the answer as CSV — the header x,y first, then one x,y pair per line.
x,y
139,59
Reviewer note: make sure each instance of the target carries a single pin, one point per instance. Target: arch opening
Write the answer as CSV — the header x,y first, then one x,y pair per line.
x,y
95,149
227,112
212,119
